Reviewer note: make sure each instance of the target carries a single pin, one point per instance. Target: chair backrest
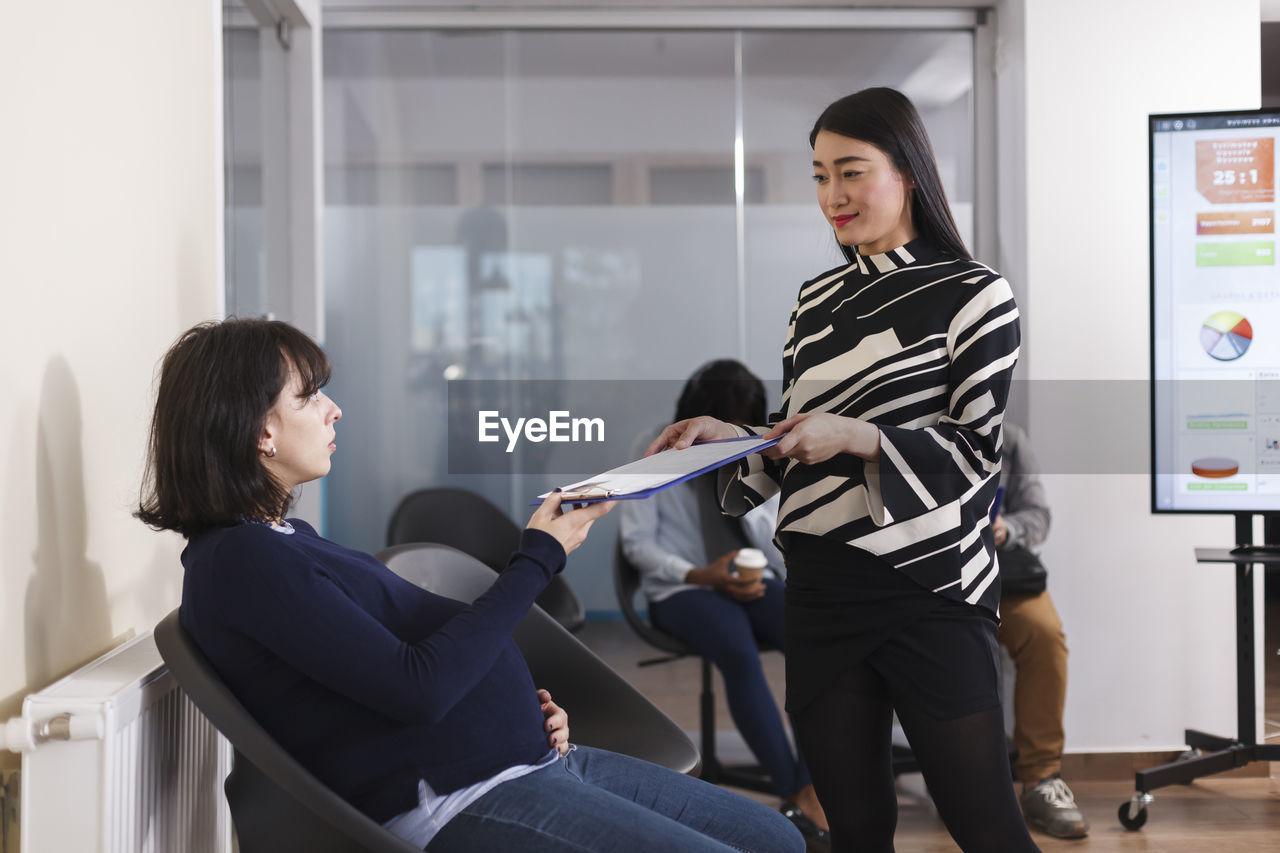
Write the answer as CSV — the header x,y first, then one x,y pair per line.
x,y
604,709
472,524
458,518
626,583
275,802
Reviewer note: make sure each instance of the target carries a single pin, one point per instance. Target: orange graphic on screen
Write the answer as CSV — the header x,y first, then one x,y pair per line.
x,y
1236,222
1215,467
1236,171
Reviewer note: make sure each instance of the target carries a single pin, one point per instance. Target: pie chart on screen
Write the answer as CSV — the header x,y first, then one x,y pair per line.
x,y
1226,335
1215,467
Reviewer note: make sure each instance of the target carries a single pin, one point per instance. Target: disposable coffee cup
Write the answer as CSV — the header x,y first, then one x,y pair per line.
x,y
750,564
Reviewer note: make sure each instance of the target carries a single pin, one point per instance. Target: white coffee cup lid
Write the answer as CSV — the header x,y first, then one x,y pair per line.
x,y
751,558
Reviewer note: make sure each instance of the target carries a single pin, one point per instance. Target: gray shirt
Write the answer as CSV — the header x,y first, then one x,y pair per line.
x,y
1025,510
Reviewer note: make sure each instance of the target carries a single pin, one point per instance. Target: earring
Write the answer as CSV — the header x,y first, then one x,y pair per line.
x,y
270,454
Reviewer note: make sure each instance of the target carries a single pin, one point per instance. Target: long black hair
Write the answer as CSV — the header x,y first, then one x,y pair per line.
x,y
218,382
724,389
887,119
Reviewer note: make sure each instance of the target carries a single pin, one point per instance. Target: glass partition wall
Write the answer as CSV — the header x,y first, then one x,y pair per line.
x,y
245,244
539,206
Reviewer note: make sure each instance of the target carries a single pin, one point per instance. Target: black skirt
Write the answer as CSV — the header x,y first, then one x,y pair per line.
x,y
846,606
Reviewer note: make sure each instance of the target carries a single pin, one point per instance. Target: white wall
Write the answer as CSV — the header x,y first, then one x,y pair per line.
x,y
110,169
1151,632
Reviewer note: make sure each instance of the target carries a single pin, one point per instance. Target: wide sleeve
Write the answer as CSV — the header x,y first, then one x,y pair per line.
x,y
290,605
760,525
756,478
922,469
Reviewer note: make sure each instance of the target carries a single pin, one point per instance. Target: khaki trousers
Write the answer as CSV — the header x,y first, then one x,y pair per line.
x,y
1032,633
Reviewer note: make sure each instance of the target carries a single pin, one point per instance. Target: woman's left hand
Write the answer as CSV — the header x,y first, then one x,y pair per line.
x,y
999,531
557,722
814,437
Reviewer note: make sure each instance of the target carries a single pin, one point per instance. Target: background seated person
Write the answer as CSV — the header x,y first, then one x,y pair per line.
x,y
683,547
418,710
1032,633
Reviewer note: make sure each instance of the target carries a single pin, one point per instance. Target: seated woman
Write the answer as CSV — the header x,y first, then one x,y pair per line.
x,y
416,709
683,547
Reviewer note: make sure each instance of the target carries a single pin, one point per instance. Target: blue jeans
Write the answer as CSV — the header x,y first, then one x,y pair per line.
x,y
599,801
727,632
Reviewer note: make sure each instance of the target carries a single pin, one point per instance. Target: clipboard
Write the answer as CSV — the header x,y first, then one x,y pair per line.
x,y
648,476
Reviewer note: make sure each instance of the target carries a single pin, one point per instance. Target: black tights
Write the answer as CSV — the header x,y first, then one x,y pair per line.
x,y
845,736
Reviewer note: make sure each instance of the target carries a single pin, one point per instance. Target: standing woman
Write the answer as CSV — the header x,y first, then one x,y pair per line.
x,y
896,370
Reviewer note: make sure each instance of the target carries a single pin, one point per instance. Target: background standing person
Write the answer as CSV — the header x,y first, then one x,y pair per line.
x,y
683,547
896,370
1031,631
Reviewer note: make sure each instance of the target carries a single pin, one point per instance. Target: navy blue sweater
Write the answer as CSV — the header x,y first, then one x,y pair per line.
x,y
367,680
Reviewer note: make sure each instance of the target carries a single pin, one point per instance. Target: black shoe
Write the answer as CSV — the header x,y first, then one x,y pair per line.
x,y
816,839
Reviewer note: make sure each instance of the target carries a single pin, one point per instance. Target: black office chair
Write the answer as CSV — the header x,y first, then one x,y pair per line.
x,y
276,804
604,710
626,581
467,521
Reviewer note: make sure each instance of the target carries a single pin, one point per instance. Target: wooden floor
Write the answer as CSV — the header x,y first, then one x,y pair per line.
x,y
1222,815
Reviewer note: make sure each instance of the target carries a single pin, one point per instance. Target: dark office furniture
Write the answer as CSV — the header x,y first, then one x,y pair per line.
x,y
276,804
1216,753
467,521
626,580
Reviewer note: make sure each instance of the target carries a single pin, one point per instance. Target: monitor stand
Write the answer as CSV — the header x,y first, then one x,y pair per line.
x,y
1208,753
1270,536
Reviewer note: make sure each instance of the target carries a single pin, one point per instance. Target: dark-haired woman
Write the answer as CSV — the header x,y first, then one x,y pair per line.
x,y
896,369
683,548
416,709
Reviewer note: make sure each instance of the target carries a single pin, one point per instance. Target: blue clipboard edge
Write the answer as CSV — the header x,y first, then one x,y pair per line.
x,y
635,496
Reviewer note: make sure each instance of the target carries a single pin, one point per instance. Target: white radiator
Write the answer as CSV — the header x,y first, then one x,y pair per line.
x,y
143,769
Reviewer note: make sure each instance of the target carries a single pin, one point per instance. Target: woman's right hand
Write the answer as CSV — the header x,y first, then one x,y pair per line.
x,y
570,526
681,434
719,577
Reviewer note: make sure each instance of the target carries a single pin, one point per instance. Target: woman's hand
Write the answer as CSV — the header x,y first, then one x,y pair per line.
x,y
681,434
556,722
999,531
718,577
570,527
814,437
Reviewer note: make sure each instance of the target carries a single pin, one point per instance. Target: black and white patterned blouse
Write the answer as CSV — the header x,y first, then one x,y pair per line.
x,y
923,346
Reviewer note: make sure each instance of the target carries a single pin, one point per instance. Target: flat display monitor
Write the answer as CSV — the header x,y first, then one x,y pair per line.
x,y
1215,313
